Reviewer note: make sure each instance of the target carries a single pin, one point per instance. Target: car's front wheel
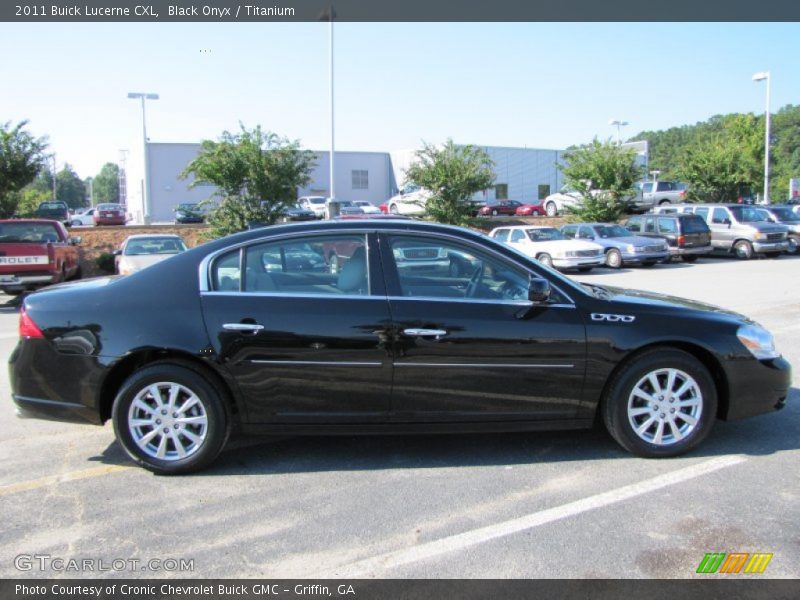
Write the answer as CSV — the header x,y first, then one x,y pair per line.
x,y
170,419
551,209
613,259
662,403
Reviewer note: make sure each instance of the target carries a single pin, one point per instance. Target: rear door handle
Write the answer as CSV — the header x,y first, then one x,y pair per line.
x,y
246,327
434,333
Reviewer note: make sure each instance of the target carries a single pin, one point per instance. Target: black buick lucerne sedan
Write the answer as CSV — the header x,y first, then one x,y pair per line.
x,y
391,337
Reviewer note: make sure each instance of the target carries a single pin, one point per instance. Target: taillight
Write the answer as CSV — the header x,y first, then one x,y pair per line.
x,y
27,327
682,194
681,241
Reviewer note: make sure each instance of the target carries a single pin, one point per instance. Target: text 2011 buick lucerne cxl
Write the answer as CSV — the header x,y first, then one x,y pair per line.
x,y
374,327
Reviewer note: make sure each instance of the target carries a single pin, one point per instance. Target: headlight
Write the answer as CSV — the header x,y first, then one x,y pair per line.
x,y
760,236
758,341
631,248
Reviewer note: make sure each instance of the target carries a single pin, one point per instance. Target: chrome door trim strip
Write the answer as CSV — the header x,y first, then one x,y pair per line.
x,y
519,303
484,365
318,363
295,295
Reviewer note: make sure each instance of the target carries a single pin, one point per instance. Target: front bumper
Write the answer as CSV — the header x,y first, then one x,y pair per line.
x,y
573,262
771,246
756,386
642,257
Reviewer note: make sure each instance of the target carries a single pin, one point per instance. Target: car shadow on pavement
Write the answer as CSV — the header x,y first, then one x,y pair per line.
x,y
763,435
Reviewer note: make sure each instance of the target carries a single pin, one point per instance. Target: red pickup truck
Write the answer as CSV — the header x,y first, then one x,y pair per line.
x,y
34,253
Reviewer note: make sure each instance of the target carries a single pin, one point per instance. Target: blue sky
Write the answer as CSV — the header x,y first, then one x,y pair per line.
x,y
508,84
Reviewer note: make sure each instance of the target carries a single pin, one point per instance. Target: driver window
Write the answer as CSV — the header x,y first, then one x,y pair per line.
x,y
428,268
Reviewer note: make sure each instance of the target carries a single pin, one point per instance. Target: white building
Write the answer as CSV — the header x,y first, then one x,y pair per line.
x,y
524,174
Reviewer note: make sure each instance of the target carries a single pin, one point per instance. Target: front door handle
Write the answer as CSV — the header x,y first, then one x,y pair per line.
x,y
245,327
434,333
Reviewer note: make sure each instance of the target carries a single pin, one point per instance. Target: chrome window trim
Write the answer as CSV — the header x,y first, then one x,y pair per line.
x,y
297,295
204,269
325,363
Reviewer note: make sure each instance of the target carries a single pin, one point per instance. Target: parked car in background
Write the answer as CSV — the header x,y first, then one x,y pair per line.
x,y
368,208
109,214
531,209
35,253
313,203
83,218
783,214
657,193
55,210
348,207
184,350
410,200
620,246
189,212
297,213
557,203
499,207
549,246
743,230
144,250
687,235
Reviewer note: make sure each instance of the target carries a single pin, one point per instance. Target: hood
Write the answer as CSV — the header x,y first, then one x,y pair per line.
x,y
656,300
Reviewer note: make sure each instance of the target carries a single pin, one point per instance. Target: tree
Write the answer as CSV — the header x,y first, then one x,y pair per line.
x,y
21,158
605,175
70,188
452,174
105,186
257,174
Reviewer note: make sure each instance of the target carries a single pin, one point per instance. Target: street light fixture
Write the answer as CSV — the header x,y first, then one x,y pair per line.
x,y
762,76
619,124
146,191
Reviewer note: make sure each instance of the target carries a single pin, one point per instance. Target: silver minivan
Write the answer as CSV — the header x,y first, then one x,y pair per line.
x,y
742,229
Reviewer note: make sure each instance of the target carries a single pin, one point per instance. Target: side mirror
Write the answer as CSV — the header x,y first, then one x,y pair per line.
x,y
117,253
538,290
75,240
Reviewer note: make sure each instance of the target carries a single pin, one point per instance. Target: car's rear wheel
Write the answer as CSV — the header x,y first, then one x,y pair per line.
x,y
613,259
170,419
743,249
551,209
545,259
663,403
393,209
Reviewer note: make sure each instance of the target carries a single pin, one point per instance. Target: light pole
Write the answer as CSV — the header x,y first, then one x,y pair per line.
x,y
331,16
54,177
146,191
619,124
764,75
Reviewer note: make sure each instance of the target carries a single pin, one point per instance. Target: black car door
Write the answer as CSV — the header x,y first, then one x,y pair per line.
x,y
468,344
304,336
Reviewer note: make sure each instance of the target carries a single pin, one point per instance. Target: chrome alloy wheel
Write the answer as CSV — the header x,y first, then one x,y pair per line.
x,y
665,406
168,421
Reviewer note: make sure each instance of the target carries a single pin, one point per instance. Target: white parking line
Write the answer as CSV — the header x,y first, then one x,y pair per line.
x,y
375,565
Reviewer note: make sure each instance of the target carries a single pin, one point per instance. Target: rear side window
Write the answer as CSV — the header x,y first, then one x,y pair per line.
x,y
694,224
226,272
665,186
666,225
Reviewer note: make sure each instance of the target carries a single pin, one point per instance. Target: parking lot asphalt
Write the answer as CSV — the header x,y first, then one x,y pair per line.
x,y
568,504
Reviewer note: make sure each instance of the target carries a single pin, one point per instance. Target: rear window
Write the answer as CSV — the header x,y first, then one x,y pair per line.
x,y
28,232
694,224
52,206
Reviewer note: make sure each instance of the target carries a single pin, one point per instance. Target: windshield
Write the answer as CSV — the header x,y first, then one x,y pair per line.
x,y
545,235
785,215
745,214
155,245
611,231
28,232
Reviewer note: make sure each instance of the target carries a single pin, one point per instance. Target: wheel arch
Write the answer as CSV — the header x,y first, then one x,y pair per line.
x,y
136,360
705,356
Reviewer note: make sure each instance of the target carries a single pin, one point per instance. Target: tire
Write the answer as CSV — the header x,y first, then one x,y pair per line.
x,y
545,259
494,212
135,402
584,269
535,213
664,202
551,209
743,250
646,427
689,258
613,259
792,245
393,209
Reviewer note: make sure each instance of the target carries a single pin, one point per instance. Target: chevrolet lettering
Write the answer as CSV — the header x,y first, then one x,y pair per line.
x,y
380,326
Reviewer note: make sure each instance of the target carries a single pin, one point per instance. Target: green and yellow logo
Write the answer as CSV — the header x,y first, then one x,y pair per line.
x,y
734,563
